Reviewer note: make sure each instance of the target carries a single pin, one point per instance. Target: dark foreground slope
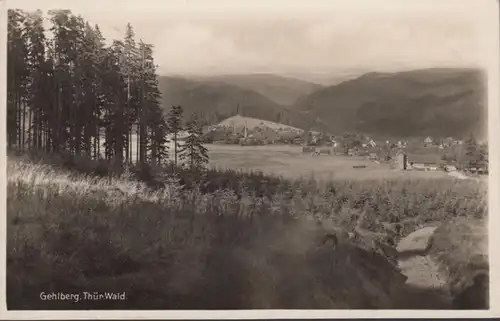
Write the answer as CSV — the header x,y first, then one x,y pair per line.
x,y
437,102
235,242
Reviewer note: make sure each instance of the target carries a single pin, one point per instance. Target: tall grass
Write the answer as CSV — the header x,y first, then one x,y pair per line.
x,y
206,240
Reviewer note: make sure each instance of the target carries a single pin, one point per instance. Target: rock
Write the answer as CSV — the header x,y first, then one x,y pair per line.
x,y
422,272
420,240
420,268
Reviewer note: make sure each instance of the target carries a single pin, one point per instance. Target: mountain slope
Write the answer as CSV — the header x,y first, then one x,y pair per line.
x,y
253,123
215,101
437,102
281,90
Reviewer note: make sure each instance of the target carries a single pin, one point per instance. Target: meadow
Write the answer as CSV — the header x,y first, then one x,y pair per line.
x,y
289,161
218,239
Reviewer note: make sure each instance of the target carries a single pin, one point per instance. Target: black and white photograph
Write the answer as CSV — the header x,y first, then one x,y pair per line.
x,y
248,155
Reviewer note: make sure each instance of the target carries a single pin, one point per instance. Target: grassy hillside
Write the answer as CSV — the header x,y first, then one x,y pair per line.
x,y
281,90
171,248
437,102
253,123
216,101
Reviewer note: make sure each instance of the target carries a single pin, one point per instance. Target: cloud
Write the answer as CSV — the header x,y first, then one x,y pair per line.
x,y
240,37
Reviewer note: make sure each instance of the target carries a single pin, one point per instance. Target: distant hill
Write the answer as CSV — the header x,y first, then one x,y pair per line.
x,y
253,123
329,78
215,101
436,102
281,90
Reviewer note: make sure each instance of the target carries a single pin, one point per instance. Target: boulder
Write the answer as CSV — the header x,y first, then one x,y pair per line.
x,y
418,241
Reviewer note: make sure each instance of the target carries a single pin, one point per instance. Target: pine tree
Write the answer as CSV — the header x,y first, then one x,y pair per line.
x,y
37,93
153,128
144,108
131,65
90,56
174,121
114,94
193,150
100,53
61,53
472,154
17,76
80,116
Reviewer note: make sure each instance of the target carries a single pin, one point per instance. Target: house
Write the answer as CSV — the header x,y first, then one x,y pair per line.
x,y
482,168
450,168
298,141
325,151
372,143
364,153
428,140
424,161
372,156
308,149
338,150
447,142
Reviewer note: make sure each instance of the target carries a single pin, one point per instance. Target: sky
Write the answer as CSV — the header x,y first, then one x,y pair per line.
x,y
294,37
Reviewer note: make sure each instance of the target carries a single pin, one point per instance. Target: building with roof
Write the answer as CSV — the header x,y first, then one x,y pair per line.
x,y
308,149
448,142
424,161
406,161
450,168
326,150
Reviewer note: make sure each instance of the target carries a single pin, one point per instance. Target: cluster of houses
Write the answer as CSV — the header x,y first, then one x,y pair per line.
x,y
434,163
423,155
261,135
422,162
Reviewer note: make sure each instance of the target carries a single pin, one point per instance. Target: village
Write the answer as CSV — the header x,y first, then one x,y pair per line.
x,y
417,154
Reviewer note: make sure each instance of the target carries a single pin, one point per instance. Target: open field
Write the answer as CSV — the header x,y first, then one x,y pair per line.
x,y
290,162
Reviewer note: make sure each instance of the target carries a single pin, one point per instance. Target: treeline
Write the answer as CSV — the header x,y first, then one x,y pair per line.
x,y
69,92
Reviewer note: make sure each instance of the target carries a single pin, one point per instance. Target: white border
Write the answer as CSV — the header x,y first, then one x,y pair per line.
x,y
490,49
